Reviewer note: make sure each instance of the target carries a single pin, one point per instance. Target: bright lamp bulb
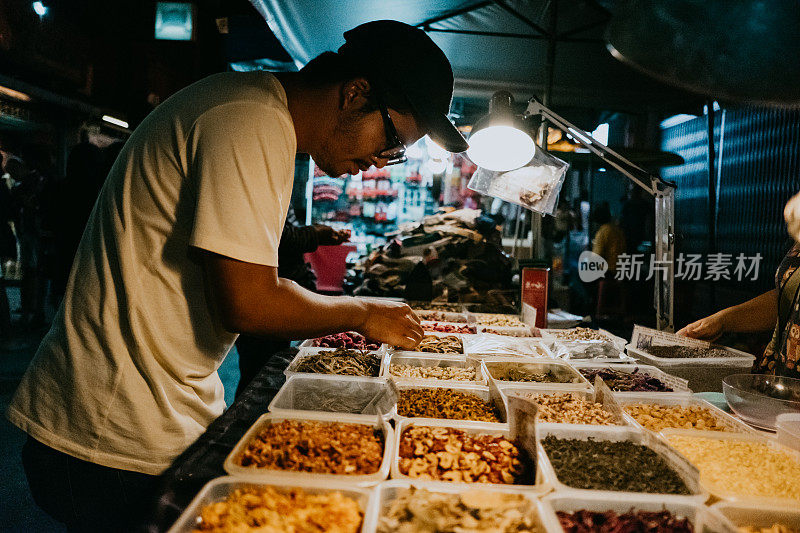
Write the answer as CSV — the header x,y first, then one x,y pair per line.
x,y
500,148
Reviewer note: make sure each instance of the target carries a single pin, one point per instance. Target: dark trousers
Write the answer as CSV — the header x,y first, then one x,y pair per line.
x,y
86,496
254,352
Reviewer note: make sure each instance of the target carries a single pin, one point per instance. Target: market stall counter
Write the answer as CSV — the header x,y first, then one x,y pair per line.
x,y
203,460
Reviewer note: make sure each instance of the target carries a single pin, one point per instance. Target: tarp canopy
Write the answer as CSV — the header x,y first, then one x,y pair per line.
x,y
492,45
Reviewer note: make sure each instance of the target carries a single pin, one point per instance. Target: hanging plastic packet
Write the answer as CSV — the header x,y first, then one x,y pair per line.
x,y
534,186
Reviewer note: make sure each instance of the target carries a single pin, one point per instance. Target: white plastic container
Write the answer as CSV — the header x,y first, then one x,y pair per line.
x,y
610,404
562,335
489,345
485,319
703,374
733,424
234,469
388,491
506,331
291,370
424,323
309,343
473,428
442,316
459,336
678,385
722,493
218,489
595,351
702,518
758,514
676,461
480,391
314,392
573,380
432,360
788,430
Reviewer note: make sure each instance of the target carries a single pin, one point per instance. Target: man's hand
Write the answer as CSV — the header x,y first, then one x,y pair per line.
x,y
327,236
391,322
709,328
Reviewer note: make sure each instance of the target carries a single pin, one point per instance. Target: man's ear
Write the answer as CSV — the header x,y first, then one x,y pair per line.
x,y
354,93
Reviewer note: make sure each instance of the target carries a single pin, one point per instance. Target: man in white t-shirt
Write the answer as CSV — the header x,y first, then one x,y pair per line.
x,y
180,255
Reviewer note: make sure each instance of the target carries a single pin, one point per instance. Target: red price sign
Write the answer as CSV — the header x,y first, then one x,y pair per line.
x,y
534,292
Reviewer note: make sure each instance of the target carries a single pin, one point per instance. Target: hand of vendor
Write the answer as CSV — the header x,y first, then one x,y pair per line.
x,y
709,328
391,322
327,236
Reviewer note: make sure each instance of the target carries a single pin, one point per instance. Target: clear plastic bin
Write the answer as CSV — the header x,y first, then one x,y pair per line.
x,y
432,360
723,493
291,370
489,345
387,491
454,324
702,518
506,331
610,403
688,473
474,428
595,351
218,490
571,379
442,316
320,392
433,334
679,386
482,392
234,469
758,514
733,424
488,319
561,335
703,374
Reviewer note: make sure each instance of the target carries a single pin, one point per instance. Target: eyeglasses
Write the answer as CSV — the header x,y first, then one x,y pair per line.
x,y
395,153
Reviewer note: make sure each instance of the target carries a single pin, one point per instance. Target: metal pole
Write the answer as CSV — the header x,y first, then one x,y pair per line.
x,y
712,193
549,73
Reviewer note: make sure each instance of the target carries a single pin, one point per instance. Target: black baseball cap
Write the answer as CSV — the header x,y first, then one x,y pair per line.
x,y
403,58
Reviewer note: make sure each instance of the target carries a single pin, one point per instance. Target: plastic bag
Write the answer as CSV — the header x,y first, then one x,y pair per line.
x,y
534,186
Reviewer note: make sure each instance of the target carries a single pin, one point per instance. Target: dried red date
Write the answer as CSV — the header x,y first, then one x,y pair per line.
x,y
348,339
594,522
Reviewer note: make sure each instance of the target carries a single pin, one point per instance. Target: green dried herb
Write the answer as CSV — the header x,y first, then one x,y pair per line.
x,y
606,465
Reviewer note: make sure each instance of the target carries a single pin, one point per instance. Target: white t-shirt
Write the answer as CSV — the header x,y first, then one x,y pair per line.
x,y
127,375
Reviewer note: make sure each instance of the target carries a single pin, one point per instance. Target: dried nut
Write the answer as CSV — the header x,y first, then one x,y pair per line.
x,y
495,319
500,465
318,447
445,403
579,334
656,417
289,511
569,409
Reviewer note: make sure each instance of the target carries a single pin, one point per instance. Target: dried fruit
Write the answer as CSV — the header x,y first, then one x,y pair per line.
x,y
610,522
620,381
445,403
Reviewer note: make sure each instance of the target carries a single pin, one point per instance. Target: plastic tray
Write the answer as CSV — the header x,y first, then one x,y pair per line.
x,y
264,420
734,424
466,387
431,359
588,394
490,366
682,467
218,490
490,345
723,494
574,351
442,316
454,324
506,331
680,387
474,428
309,343
433,334
305,352
557,335
702,518
749,513
387,491
478,317
304,392
703,374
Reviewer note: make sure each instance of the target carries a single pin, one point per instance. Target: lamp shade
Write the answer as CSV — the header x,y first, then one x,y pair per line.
x,y
499,141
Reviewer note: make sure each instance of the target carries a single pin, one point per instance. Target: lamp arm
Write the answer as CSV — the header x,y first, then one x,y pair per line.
x,y
618,161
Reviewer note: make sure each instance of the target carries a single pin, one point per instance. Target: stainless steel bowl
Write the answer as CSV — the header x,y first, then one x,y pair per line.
x,y
759,398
